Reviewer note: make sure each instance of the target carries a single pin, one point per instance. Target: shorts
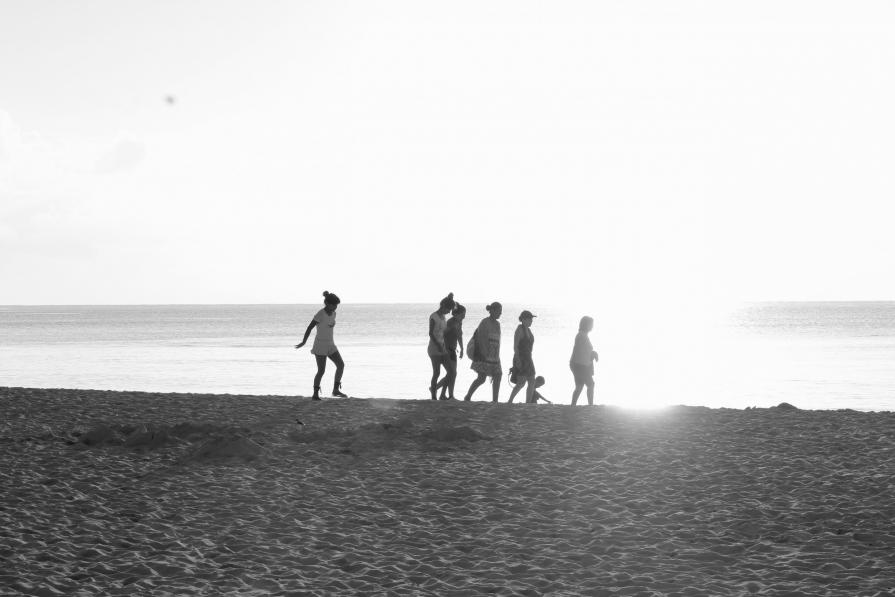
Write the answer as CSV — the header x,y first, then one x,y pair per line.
x,y
584,374
441,359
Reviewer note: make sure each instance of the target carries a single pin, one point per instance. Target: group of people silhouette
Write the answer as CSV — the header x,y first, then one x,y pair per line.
x,y
483,349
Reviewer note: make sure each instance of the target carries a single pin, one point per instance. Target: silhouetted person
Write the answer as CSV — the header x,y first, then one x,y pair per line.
x,y
486,359
539,382
324,345
582,361
437,351
453,337
523,363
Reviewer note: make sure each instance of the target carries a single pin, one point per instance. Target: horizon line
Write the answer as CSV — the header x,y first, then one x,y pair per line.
x,y
534,303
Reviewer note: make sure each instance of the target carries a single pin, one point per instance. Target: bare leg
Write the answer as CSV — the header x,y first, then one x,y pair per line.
x,y
321,368
450,375
336,358
516,389
530,391
495,390
474,386
590,392
577,392
436,371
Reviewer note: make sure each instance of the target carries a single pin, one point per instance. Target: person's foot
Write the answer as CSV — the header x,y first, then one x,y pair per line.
x,y
316,395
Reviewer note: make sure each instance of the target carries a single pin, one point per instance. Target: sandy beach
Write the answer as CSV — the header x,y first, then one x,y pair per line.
x,y
123,493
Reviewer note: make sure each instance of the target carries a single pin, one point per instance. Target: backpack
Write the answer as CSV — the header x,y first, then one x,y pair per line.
x,y
470,348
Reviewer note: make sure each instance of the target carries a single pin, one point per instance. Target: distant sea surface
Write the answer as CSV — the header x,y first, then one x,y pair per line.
x,y
812,355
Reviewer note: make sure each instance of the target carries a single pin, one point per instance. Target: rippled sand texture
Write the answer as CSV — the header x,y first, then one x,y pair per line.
x,y
155,494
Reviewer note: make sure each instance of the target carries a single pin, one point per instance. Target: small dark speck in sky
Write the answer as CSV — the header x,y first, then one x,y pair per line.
x,y
170,100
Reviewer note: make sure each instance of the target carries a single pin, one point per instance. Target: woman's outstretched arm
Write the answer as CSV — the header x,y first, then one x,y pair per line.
x,y
307,333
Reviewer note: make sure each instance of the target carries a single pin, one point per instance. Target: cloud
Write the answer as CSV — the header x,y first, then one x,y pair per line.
x,y
124,155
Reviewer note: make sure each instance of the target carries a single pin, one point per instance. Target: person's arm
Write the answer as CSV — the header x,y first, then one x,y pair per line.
x,y
311,326
580,349
482,342
523,344
438,343
516,337
460,339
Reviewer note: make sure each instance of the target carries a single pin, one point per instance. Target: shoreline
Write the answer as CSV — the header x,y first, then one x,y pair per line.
x,y
116,493
582,402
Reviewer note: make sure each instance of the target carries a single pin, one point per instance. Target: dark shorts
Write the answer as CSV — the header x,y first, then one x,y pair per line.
x,y
441,359
584,374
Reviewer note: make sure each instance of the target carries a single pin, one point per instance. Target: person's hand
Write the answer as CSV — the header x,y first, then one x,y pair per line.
x,y
596,358
461,353
300,345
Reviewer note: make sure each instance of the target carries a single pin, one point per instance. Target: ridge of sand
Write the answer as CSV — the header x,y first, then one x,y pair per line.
x,y
122,493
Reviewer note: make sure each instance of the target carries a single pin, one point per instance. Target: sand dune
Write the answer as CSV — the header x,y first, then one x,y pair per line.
x,y
122,493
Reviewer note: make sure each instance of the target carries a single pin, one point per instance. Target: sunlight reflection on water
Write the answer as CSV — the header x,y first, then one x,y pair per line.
x,y
757,356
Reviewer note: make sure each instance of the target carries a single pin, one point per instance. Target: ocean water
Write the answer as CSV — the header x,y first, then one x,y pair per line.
x,y
813,355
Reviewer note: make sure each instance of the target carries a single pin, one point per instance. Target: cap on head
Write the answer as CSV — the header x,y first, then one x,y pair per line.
x,y
526,315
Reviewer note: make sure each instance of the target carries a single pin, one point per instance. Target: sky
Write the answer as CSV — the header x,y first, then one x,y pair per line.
x,y
618,154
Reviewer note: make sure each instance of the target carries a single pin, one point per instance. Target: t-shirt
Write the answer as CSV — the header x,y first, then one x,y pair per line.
x,y
438,325
583,353
323,341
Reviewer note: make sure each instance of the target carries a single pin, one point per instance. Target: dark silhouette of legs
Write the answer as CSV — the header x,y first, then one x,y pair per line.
x,y
450,376
336,358
436,371
474,386
519,385
530,391
321,367
579,385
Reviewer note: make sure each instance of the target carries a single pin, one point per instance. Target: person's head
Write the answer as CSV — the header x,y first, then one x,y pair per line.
x,y
526,317
539,381
459,311
495,310
586,324
330,301
447,303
